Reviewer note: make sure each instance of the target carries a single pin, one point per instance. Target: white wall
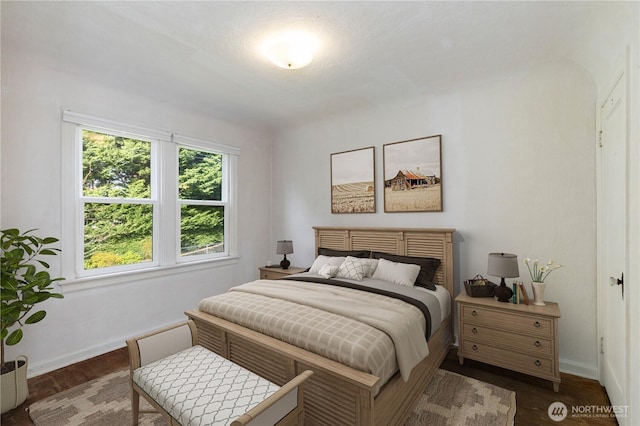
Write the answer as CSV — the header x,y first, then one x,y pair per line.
x,y
90,322
518,166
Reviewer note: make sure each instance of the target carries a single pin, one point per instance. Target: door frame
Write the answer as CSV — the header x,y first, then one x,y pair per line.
x,y
633,388
620,70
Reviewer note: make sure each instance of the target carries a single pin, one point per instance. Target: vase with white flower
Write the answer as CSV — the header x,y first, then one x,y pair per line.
x,y
538,274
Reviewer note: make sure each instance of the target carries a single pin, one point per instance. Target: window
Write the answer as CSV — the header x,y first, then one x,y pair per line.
x,y
137,199
118,200
202,204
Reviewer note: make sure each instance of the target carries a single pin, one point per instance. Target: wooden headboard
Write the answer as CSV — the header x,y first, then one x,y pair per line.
x,y
419,242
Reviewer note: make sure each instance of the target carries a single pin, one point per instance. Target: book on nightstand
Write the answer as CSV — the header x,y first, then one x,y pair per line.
x,y
519,294
523,291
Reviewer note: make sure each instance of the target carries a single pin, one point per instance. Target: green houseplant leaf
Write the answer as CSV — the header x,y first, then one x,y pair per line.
x,y
14,337
25,282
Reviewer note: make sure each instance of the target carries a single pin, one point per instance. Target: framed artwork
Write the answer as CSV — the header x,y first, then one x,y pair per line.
x,y
413,175
353,188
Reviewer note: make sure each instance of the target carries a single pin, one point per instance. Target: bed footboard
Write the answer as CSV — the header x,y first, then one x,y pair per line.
x,y
335,394
339,395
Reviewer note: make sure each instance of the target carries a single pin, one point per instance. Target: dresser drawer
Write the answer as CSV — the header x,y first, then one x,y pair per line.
x,y
266,275
533,345
508,321
271,273
530,364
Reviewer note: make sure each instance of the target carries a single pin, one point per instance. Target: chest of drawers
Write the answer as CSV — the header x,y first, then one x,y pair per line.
x,y
522,338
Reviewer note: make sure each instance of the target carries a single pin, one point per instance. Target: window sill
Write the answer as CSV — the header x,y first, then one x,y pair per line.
x,y
85,283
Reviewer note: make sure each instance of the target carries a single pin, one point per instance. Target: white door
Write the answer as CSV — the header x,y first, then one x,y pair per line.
x,y
612,251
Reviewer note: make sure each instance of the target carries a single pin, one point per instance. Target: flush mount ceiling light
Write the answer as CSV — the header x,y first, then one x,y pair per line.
x,y
290,50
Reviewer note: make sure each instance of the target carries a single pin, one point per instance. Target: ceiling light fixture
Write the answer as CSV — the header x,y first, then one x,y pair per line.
x,y
291,50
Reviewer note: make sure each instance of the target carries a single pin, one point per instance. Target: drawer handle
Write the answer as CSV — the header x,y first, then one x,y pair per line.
x,y
474,330
474,347
538,344
536,324
538,363
474,313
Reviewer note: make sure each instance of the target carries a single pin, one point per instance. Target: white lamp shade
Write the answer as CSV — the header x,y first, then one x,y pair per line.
x,y
503,265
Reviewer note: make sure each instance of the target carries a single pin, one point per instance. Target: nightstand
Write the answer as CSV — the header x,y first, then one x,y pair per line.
x,y
519,337
277,273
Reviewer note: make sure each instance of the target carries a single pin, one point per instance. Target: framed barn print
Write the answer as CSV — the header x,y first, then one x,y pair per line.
x,y
353,188
413,175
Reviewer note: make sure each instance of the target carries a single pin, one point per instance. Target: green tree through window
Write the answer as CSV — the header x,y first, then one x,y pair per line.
x,y
118,210
118,202
202,208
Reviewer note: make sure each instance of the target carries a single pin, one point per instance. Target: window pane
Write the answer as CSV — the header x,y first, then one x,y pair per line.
x,y
199,175
117,234
201,230
113,166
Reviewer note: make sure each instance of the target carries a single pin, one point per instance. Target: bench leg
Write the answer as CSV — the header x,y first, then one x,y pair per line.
x,y
135,406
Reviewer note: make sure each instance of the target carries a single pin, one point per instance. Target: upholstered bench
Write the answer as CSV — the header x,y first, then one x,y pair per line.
x,y
191,385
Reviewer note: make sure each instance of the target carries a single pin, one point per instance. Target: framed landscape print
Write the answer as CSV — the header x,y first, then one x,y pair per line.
x,y
353,188
413,175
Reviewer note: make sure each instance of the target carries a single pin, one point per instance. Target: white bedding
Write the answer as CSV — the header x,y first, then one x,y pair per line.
x,y
441,294
406,327
361,346
443,297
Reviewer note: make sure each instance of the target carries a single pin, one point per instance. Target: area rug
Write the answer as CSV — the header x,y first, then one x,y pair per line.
x,y
450,399
102,402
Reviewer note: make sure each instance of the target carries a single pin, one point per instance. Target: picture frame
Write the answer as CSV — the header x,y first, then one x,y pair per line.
x,y
353,178
413,175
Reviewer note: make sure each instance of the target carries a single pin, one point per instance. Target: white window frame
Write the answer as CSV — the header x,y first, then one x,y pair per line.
x,y
164,198
198,145
81,200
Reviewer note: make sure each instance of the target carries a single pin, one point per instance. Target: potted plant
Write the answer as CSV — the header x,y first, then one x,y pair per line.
x,y
25,283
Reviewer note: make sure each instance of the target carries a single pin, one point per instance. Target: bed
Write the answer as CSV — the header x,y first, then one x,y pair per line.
x,y
338,394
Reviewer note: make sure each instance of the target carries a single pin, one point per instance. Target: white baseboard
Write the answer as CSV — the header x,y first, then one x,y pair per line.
x,y
36,369
579,369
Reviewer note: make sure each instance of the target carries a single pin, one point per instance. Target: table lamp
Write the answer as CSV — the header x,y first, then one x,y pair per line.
x,y
503,265
284,247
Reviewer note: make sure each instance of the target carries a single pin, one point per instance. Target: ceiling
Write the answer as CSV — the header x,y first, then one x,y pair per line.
x,y
204,56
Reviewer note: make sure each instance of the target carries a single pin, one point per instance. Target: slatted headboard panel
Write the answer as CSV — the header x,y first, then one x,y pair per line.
x,y
419,242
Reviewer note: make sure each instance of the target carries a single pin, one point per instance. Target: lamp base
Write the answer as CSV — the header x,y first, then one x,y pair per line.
x,y
503,293
284,263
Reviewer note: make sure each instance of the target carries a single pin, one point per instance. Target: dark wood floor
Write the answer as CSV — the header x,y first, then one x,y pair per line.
x,y
533,395
56,381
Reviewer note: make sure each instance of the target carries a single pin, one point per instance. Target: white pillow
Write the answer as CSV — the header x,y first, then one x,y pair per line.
x,y
328,271
352,269
395,272
323,260
370,266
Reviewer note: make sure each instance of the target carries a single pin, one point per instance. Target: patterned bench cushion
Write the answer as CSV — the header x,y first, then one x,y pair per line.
x,y
199,387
